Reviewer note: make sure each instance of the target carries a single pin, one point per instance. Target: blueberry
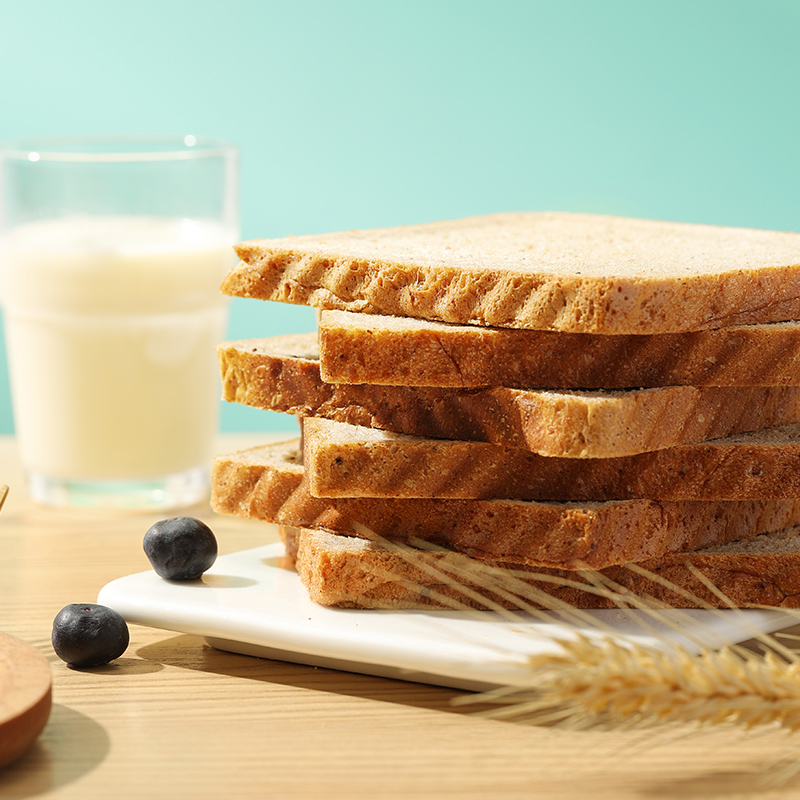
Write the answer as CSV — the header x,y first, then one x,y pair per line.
x,y
181,548
89,635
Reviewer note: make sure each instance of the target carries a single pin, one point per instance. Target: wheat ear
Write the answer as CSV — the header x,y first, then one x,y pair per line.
x,y
640,685
623,681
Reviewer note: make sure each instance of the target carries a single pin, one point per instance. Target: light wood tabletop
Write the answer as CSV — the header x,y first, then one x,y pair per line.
x,y
176,718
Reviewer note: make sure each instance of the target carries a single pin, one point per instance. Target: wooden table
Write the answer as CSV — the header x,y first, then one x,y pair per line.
x,y
176,718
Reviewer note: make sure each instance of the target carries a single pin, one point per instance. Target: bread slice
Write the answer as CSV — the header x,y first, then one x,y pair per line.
x,y
398,351
281,374
356,573
267,483
544,271
344,460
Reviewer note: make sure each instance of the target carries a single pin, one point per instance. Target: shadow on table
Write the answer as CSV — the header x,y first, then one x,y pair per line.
x,y
192,652
71,745
727,784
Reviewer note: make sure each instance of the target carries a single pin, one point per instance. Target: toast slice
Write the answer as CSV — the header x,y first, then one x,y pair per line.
x,y
399,351
357,573
579,273
283,374
268,483
344,460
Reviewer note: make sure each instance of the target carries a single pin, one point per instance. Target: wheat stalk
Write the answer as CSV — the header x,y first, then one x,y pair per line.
x,y
622,682
638,685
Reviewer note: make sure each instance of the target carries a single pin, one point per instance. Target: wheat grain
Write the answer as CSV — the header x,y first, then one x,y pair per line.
x,y
631,683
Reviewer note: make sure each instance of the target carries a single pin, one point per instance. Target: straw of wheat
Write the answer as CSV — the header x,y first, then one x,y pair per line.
x,y
639,685
584,678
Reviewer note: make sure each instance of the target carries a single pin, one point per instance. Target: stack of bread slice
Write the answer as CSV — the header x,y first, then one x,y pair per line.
x,y
539,394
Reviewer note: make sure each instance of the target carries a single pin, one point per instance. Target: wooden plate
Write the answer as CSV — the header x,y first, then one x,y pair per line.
x,y
25,696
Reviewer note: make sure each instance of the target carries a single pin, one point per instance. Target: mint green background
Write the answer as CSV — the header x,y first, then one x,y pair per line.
x,y
359,114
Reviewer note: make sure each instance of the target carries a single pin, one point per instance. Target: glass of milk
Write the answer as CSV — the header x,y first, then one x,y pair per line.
x,y
111,255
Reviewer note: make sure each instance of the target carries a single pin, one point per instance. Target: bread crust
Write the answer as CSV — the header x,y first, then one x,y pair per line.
x,y
337,570
543,271
395,351
267,373
344,460
268,483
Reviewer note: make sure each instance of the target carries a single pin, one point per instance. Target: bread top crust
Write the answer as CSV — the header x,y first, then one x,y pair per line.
x,y
545,271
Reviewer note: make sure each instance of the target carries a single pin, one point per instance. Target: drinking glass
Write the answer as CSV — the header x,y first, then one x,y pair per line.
x,y
112,250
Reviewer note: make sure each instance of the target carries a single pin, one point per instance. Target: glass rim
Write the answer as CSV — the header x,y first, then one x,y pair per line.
x,y
116,148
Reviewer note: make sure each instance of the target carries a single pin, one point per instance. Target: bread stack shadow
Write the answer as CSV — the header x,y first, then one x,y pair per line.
x,y
548,394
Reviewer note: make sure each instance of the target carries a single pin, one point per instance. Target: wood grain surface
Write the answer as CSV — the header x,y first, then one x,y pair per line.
x,y
175,718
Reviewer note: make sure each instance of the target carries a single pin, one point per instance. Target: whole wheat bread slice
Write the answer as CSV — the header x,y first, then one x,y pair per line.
x,y
267,483
399,351
344,460
357,573
282,374
544,271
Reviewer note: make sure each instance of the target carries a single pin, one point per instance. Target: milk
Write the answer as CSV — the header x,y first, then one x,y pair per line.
x,y
111,325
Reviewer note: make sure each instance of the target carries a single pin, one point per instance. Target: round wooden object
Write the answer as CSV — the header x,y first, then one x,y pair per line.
x,y
25,696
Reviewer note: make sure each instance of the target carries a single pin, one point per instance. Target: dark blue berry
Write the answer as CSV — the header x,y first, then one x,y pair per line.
x,y
89,635
180,548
